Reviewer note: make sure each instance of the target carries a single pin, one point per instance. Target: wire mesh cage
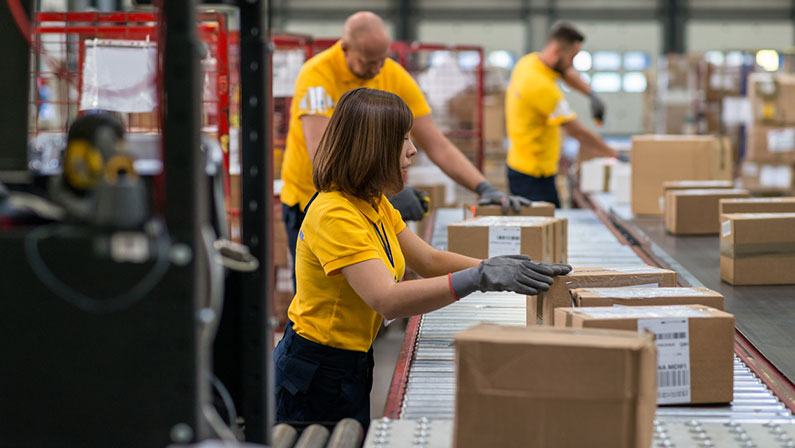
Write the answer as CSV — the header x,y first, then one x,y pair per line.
x,y
87,61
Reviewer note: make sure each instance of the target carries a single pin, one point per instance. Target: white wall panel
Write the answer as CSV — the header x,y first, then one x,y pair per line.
x,y
708,35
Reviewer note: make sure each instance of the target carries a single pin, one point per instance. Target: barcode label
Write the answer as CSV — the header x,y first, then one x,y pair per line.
x,y
664,336
673,378
505,240
672,337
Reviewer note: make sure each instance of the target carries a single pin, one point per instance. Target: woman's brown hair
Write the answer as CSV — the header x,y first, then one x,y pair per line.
x,y
359,153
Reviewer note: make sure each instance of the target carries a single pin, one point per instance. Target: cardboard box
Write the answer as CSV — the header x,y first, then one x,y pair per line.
x,y
621,182
757,248
645,296
282,293
693,185
494,118
436,192
489,236
694,343
767,178
559,294
536,208
696,212
595,174
772,97
659,158
766,143
758,205
553,388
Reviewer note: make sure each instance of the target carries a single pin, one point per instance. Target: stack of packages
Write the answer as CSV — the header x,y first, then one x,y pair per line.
x,y
770,144
641,340
656,159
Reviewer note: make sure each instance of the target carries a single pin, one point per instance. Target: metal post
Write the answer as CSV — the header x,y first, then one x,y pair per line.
x,y
257,216
673,26
406,30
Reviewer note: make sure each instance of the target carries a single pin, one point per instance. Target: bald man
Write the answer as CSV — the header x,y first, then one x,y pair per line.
x,y
359,59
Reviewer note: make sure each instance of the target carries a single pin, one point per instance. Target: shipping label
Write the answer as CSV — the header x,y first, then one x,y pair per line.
x,y
505,240
672,338
726,228
781,140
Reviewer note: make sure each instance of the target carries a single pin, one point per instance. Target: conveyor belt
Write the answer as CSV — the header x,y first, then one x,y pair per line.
x,y
430,379
765,314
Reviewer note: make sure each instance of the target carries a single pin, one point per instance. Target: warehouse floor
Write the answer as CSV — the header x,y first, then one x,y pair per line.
x,y
386,350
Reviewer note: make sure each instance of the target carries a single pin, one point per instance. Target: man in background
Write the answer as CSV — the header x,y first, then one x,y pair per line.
x,y
535,110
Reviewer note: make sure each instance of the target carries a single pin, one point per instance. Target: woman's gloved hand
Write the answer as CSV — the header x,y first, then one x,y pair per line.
x,y
515,273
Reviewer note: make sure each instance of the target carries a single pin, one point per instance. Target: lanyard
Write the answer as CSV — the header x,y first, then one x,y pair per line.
x,y
385,243
383,238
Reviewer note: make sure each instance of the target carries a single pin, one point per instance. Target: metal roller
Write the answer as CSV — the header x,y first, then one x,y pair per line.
x,y
347,434
315,436
284,436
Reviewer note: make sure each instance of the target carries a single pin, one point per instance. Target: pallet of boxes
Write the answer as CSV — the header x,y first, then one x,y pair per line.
x,y
770,145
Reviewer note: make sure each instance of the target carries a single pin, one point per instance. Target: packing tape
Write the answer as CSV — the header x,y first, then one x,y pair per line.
x,y
757,249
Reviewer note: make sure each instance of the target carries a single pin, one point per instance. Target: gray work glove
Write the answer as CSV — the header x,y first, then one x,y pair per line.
x,y
411,203
515,273
490,195
623,157
597,107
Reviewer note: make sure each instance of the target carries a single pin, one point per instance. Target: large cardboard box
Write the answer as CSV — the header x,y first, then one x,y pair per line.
x,y
758,205
559,294
767,178
553,388
695,346
696,212
659,158
757,248
772,97
645,296
770,143
489,236
536,208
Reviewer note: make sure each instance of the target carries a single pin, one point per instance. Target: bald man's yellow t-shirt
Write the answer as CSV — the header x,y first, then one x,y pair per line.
x,y
320,84
534,110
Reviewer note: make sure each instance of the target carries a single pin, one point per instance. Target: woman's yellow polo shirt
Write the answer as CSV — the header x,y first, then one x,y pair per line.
x,y
337,232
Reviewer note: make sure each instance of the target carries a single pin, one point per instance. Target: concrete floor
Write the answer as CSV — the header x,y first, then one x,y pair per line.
x,y
386,349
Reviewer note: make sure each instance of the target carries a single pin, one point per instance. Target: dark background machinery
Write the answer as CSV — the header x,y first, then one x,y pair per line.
x,y
107,349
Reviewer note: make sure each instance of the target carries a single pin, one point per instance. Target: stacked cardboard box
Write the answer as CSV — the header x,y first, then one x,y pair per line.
x,y
659,158
758,205
767,178
757,248
645,296
772,98
551,387
696,212
559,294
541,238
695,346
770,143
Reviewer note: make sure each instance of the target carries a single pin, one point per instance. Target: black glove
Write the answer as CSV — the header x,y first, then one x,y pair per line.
x,y
623,157
411,203
490,195
515,273
597,107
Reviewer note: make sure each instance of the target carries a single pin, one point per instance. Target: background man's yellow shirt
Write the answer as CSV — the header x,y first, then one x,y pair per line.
x,y
534,110
338,232
320,84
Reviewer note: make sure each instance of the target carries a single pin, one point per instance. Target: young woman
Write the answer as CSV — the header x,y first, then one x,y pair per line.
x,y
352,250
